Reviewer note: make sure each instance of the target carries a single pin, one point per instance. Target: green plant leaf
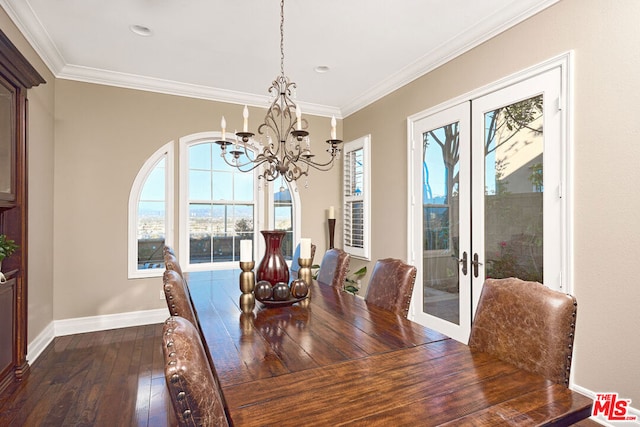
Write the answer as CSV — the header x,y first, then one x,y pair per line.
x,y
361,272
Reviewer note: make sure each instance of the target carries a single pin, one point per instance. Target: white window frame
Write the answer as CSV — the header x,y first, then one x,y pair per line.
x,y
258,201
363,143
166,152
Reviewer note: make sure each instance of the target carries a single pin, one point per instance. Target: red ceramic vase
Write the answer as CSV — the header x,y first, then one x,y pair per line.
x,y
273,268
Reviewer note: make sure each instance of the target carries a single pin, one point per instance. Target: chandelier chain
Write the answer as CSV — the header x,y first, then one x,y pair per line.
x,y
282,37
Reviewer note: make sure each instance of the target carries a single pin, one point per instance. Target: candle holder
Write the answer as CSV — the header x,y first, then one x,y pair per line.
x,y
247,284
305,270
332,231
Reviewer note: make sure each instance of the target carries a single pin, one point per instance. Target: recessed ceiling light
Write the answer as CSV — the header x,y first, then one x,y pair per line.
x,y
322,69
141,30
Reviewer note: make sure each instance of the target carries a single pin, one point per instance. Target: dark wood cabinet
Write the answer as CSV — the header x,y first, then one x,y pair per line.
x,y
16,76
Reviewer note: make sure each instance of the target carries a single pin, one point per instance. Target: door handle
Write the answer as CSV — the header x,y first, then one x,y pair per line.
x,y
462,261
475,263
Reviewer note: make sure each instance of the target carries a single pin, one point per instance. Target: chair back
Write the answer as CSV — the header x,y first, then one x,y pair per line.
x,y
177,296
391,285
171,262
295,267
195,392
526,324
334,266
167,250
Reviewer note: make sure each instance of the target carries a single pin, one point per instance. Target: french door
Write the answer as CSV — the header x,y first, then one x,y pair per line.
x,y
486,189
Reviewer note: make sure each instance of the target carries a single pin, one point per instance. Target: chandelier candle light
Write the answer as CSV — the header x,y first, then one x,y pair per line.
x,y
287,152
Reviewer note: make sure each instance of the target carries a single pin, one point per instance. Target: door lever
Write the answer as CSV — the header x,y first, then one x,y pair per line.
x,y
462,261
475,263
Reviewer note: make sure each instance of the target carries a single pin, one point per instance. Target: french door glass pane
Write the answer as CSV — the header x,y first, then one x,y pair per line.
x,y
513,190
440,172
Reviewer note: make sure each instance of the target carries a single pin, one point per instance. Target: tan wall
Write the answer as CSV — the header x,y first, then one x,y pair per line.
x,y
40,201
103,137
605,39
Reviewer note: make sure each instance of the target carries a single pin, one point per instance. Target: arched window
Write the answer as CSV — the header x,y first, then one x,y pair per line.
x,y
150,214
219,205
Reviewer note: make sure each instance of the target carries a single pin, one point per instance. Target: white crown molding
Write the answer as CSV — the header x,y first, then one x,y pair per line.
x,y
32,29
168,87
482,32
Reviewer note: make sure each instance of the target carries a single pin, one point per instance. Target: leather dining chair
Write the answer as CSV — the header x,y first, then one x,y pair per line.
x,y
177,296
526,324
295,267
333,268
171,261
192,383
391,285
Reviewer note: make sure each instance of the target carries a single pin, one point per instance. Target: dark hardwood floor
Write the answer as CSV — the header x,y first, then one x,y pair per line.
x,y
107,378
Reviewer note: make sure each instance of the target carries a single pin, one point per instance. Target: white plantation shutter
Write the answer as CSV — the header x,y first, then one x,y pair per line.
x,y
356,193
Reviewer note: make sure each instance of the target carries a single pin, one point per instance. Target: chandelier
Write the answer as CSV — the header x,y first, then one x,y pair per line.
x,y
287,151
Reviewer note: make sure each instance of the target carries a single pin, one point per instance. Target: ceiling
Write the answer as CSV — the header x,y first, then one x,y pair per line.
x,y
228,50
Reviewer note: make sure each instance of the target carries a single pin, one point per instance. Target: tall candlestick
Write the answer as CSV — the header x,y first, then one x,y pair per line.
x,y
246,250
223,125
305,248
245,121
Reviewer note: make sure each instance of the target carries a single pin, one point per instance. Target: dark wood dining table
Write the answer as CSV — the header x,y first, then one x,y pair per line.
x,y
335,360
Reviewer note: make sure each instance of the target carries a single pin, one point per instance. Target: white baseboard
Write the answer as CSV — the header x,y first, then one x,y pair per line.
x,y
80,325
37,346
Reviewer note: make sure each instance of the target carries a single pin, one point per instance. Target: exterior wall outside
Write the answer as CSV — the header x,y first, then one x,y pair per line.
x,y
605,128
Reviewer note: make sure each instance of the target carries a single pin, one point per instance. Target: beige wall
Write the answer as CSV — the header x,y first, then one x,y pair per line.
x,y
605,40
104,134
103,137
40,201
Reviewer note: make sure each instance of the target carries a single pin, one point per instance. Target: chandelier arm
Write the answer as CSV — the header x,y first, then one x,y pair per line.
x,y
256,162
319,166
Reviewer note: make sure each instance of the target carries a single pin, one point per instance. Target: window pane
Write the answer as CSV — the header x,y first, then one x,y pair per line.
x,y
358,172
200,156
243,186
223,186
200,226
514,190
151,234
441,222
151,219
153,188
199,185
